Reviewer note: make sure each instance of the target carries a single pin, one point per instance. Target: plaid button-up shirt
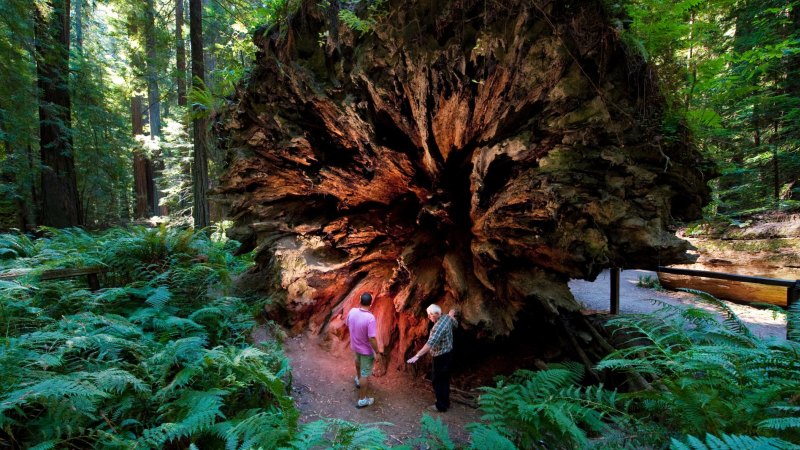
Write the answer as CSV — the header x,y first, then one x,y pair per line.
x,y
441,338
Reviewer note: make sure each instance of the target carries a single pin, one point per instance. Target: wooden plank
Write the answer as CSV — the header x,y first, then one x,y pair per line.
x,y
55,274
59,274
727,276
727,289
14,273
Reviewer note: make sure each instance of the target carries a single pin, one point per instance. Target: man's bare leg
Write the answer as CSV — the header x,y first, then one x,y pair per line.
x,y
363,387
358,367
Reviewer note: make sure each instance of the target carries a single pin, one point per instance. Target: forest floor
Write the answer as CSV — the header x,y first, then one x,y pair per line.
x,y
323,385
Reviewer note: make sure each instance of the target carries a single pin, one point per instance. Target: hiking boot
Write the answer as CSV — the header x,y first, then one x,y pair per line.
x,y
358,385
434,408
364,402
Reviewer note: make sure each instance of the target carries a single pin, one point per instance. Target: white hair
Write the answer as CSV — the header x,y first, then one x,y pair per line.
x,y
434,309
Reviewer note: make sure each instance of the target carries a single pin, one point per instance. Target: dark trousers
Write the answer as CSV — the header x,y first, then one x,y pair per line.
x,y
441,380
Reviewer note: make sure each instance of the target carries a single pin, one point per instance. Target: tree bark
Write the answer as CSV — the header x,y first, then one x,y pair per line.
x,y
200,121
79,26
60,202
180,53
9,177
142,172
474,157
153,94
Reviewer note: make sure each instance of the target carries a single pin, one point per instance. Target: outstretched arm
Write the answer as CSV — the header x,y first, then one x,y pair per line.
x,y
425,349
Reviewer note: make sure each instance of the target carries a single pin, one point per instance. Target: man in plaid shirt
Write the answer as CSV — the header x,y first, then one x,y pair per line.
x,y
440,345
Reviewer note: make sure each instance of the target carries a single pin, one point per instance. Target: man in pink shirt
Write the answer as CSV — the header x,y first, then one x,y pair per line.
x,y
363,329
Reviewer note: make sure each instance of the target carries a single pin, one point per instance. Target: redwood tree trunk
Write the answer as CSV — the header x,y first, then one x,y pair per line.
x,y
60,203
200,122
474,157
142,171
153,94
180,53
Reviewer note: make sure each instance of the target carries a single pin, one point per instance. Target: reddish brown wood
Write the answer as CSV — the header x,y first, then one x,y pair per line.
x,y
60,202
477,163
142,173
180,53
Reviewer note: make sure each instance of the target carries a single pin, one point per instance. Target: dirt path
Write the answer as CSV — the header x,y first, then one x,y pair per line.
x,y
323,388
323,381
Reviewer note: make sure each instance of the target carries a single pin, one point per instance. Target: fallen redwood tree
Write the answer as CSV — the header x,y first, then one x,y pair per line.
x,y
471,154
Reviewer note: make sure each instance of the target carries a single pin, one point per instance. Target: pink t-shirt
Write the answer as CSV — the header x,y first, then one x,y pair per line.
x,y
362,326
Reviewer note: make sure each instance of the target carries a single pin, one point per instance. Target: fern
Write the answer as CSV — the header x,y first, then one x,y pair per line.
x,y
435,434
731,321
548,406
159,297
780,423
731,442
132,364
709,376
196,412
336,433
266,429
484,436
16,246
374,13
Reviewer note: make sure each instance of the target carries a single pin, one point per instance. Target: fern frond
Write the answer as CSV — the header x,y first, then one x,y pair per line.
x,y
311,435
159,297
780,423
731,442
435,433
186,350
265,429
196,412
117,381
484,436
731,320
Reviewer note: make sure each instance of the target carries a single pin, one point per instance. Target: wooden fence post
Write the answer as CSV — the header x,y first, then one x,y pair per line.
x,y
615,290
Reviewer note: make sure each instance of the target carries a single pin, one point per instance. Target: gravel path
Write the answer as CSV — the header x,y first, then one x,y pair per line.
x,y
632,299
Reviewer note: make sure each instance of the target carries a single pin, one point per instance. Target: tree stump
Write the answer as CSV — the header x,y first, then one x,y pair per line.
x,y
477,155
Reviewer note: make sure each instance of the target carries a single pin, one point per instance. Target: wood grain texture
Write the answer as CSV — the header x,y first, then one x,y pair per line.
x,y
477,158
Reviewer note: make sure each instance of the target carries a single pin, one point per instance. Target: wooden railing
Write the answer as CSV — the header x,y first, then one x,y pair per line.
x,y
792,286
58,274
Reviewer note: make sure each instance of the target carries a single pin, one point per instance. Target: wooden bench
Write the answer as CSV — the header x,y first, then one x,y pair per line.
x,y
91,274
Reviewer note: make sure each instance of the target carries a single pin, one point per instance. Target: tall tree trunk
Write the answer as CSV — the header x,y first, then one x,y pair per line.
x,y
9,176
153,95
154,103
793,92
34,216
180,53
79,26
142,174
200,123
60,203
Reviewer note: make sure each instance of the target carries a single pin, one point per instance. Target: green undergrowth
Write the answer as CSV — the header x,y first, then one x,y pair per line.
x,y
160,357
649,282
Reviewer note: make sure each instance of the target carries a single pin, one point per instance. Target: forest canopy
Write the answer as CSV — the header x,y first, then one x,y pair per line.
x,y
728,69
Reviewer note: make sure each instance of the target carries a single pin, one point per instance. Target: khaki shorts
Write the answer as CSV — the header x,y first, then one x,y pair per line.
x,y
365,362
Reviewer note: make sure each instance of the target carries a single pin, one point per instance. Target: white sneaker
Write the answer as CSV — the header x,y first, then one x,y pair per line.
x,y
358,385
364,402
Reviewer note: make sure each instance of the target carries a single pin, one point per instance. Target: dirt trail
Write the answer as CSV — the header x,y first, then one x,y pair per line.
x,y
323,387
323,381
